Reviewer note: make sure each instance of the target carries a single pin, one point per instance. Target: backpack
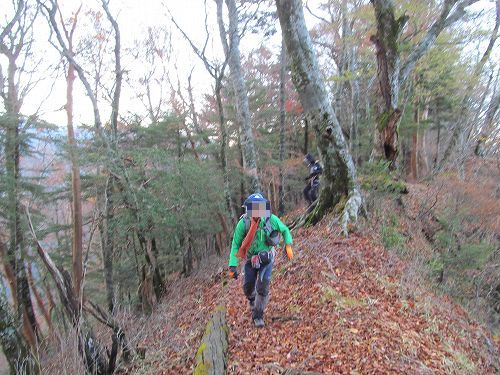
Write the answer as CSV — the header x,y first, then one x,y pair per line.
x,y
272,236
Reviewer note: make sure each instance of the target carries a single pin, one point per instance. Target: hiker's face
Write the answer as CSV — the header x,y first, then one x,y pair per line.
x,y
258,209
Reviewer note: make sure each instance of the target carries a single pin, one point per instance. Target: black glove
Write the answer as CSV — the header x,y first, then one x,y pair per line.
x,y
233,272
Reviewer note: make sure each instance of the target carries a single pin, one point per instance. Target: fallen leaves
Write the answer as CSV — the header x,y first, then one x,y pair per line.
x,y
351,317
335,316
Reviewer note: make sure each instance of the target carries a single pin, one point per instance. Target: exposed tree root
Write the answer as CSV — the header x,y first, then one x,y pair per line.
x,y
318,209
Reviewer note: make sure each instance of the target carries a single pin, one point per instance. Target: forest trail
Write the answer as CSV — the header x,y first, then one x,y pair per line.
x,y
342,305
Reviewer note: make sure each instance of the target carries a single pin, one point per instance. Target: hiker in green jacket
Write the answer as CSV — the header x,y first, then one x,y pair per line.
x,y
255,237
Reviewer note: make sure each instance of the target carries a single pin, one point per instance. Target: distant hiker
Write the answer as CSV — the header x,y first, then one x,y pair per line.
x,y
255,237
315,170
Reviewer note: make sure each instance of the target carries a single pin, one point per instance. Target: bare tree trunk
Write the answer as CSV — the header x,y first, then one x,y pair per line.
x,y
414,143
464,106
422,159
232,51
339,177
217,73
77,222
281,205
355,113
115,108
488,124
392,72
39,300
243,185
306,135
388,74
223,148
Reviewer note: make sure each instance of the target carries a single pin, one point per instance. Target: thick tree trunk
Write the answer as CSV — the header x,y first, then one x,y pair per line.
x,y
232,50
388,74
339,177
392,72
281,204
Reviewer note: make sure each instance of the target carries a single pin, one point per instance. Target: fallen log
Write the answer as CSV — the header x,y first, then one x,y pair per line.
x,y
211,358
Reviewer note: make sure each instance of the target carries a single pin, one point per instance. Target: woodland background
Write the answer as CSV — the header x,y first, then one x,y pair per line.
x,y
165,134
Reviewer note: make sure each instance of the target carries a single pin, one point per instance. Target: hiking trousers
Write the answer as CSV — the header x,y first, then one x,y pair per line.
x,y
311,191
256,287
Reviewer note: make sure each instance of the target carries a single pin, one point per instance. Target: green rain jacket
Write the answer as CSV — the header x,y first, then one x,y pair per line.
x,y
259,241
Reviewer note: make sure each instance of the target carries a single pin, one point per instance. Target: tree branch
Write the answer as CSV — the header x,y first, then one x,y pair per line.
x,y
445,19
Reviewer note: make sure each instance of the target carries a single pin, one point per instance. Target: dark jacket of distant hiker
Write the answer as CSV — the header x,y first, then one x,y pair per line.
x,y
313,180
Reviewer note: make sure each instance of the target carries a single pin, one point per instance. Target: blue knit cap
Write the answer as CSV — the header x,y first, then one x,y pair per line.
x,y
257,206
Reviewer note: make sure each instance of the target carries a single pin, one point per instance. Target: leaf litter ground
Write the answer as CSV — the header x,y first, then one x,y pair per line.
x,y
337,308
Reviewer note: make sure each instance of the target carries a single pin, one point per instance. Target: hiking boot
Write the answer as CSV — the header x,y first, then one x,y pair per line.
x,y
251,303
259,322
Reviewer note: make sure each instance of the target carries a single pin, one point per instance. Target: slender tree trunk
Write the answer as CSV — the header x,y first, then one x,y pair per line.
x,y
414,143
232,50
39,300
355,113
281,204
339,177
223,148
488,124
108,248
77,244
16,252
243,185
423,160
465,104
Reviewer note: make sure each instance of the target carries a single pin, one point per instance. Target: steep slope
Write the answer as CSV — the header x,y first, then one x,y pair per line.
x,y
340,306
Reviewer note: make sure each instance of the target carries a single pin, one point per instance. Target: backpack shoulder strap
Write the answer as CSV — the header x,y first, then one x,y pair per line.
x,y
247,222
267,225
